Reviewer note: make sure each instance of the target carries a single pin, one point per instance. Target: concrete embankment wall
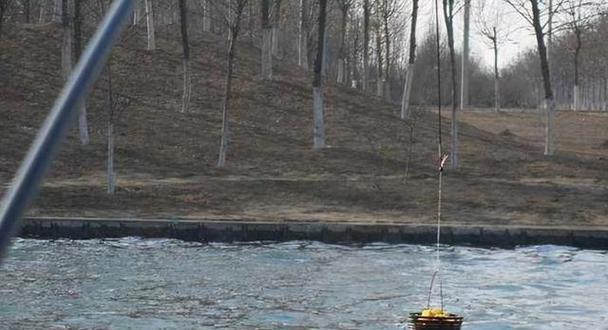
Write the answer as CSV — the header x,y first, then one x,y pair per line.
x,y
345,233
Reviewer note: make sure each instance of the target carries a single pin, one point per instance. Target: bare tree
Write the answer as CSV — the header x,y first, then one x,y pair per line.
x,y
4,6
495,29
66,45
57,10
387,12
303,35
116,105
110,173
276,27
534,15
206,15
464,72
183,14
409,75
366,26
377,25
448,15
83,126
233,22
151,36
27,9
577,16
317,83
344,6
266,41
353,56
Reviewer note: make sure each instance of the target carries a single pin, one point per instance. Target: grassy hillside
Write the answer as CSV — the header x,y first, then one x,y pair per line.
x,y
166,159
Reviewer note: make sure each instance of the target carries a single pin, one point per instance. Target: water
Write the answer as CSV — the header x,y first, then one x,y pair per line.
x,y
135,283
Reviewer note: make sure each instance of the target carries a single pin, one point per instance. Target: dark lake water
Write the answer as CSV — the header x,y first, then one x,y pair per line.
x,y
136,283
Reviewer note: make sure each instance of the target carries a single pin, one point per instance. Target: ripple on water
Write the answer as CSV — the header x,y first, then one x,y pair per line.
x,y
170,284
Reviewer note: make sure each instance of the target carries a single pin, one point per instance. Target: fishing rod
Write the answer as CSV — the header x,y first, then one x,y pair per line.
x,y
31,172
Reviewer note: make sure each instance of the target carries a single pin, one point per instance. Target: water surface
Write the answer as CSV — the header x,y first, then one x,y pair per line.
x,y
136,283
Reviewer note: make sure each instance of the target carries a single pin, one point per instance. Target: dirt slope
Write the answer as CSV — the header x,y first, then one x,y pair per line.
x,y
166,159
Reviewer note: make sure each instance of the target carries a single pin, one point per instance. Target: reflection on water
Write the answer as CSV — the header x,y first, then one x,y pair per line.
x,y
135,283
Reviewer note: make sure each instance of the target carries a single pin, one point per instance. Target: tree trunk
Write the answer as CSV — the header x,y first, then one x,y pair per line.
x,y
496,75
341,79
150,25
303,36
266,42
387,62
111,179
2,13
234,33
83,126
577,52
110,173
206,16
57,10
544,64
409,75
267,53
464,86
26,11
183,13
317,83
324,69
448,12
366,14
380,78
136,12
66,45
276,31
42,13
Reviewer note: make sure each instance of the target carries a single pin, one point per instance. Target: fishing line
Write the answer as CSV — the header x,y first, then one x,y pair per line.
x,y
441,161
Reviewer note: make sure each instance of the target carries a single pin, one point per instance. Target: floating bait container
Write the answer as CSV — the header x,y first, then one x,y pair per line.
x,y
444,321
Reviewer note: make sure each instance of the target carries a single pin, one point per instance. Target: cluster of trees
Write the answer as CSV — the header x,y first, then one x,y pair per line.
x,y
370,45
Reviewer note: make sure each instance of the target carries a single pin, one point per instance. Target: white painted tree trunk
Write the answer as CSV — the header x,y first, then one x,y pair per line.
x,y
83,126
454,142
42,14
379,87
387,91
110,175
267,54
407,91
549,123
303,52
577,98
136,12
150,25
341,79
223,140
496,94
57,11
187,86
276,36
206,16
318,113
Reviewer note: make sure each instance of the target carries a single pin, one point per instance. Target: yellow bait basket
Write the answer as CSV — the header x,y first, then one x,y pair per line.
x,y
445,322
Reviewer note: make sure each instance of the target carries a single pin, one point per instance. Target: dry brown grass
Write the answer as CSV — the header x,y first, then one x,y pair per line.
x,y
165,159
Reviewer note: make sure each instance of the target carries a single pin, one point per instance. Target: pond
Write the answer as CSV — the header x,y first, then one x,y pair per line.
x,y
133,283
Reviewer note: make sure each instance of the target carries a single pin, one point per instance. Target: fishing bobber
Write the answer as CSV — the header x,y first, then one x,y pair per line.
x,y
435,319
